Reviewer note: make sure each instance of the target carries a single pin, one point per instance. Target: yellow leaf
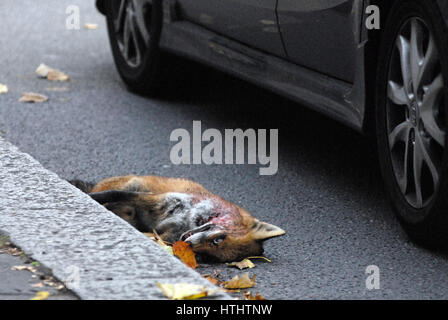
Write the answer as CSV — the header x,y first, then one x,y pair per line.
x,y
41,295
242,282
184,291
246,263
260,258
169,249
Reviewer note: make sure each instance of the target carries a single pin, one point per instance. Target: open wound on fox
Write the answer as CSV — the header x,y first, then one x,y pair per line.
x,y
234,142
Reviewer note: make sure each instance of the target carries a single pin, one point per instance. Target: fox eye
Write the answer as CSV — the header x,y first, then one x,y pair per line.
x,y
218,240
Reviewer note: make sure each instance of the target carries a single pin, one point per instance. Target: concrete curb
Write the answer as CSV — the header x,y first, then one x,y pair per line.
x,y
98,255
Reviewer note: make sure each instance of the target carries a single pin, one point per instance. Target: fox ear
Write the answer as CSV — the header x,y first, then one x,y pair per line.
x,y
263,231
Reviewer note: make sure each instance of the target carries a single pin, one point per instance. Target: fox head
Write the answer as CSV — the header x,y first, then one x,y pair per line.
x,y
216,229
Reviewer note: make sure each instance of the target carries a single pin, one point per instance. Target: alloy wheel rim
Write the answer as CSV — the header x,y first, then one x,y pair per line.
x,y
416,121
132,29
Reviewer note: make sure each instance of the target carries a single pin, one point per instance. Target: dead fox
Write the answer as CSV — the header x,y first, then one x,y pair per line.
x,y
180,209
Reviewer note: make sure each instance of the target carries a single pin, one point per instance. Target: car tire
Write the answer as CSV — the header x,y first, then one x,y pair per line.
x,y
412,118
134,29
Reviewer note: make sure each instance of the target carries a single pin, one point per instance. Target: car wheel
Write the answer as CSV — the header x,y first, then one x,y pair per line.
x,y
134,28
412,118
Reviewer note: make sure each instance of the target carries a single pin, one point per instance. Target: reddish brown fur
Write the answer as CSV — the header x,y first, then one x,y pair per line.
x,y
245,234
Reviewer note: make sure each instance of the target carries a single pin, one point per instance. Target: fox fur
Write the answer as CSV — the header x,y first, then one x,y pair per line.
x,y
180,209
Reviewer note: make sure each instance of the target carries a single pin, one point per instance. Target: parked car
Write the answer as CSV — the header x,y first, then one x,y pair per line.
x,y
390,82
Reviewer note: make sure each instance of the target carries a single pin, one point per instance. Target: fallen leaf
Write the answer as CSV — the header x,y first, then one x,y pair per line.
x,y
246,263
15,252
90,26
184,291
212,279
3,88
41,295
38,285
249,296
56,75
8,249
155,237
260,257
32,97
185,253
158,239
45,71
231,290
22,268
169,250
242,282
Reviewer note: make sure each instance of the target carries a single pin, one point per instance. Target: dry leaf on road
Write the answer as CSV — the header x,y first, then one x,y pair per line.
x,y
249,296
90,26
184,291
37,285
246,263
185,253
41,295
213,279
260,257
50,74
22,268
3,88
242,282
32,97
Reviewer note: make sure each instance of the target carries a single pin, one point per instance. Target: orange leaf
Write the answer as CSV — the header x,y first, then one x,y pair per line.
x,y
185,253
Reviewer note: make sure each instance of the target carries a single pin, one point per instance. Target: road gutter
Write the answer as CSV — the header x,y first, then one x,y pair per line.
x,y
97,255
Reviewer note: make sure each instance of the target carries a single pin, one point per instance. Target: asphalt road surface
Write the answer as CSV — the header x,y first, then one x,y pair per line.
x,y
327,194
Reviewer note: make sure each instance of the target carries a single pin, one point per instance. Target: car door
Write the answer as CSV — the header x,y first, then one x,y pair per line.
x,y
252,22
320,34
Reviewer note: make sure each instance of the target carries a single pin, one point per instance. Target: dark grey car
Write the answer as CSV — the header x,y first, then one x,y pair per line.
x,y
377,66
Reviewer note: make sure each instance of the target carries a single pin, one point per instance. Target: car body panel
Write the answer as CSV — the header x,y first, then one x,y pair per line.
x,y
319,34
325,94
252,22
